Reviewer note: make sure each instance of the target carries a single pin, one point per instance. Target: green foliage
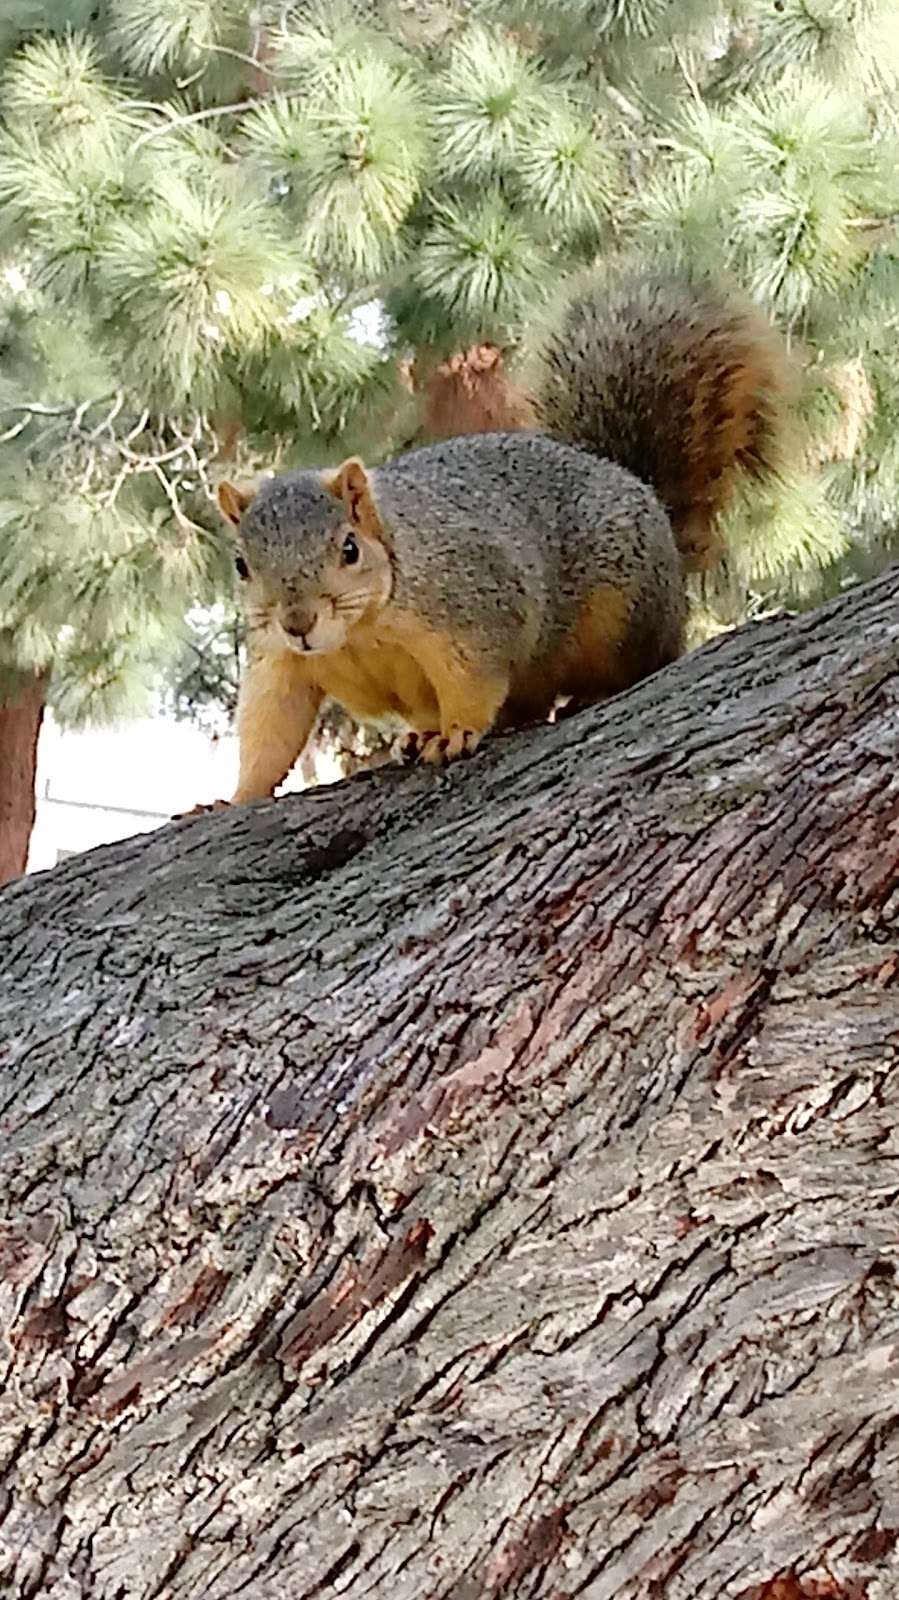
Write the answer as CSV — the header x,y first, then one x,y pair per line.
x,y
317,367
480,265
566,176
315,37
350,160
363,166
63,203
87,585
638,17
193,282
55,87
204,677
856,41
169,36
776,184
487,105
202,205
808,536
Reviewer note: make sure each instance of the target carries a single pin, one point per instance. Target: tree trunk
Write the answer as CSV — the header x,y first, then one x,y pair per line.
x,y
470,392
21,715
479,1184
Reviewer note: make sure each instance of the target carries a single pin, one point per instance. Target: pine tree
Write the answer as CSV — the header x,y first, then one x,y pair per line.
x,y
262,234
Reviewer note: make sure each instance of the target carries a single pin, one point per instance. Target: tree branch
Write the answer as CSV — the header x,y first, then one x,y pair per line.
x,y
478,1184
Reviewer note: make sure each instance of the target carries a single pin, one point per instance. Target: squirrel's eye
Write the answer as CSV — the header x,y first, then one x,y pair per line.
x,y
350,550
243,570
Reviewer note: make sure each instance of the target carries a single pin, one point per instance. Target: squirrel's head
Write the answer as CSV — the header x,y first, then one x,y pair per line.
x,y
311,553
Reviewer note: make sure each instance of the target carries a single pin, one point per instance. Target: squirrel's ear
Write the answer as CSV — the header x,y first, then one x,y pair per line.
x,y
233,502
351,485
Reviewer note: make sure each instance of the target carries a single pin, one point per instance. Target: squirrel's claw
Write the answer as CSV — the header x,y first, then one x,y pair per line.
x,y
437,749
408,747
461,742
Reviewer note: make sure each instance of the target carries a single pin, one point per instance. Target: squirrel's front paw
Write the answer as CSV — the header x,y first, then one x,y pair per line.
x,y
437,749
200,811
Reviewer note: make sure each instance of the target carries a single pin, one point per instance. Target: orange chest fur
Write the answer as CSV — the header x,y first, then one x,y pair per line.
x,y
376,680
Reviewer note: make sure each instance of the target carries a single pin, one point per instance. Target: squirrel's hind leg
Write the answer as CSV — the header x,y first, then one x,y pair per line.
x,y
621,638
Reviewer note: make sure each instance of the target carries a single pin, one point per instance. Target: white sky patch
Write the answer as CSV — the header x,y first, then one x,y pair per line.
x,y
368,325
304,307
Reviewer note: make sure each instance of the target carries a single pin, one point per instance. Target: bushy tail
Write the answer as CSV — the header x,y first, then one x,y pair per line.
x,y
679,382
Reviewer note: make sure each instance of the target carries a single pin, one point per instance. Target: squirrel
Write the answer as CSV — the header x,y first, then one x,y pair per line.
x,y
470,584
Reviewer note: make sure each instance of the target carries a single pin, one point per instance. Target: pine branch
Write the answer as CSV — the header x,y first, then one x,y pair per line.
x,y
179,120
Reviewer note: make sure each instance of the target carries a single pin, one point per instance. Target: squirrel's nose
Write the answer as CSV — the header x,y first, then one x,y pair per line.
x,y
297,623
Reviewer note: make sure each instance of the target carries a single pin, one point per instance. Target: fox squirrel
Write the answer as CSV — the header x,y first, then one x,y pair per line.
x,y
470,584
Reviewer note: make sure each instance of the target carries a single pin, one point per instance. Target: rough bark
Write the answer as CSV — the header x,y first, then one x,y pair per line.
x,y
21,715
480,1184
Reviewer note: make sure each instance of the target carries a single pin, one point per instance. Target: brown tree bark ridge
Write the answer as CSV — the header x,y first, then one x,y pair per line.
x,y
477,1184
21,716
